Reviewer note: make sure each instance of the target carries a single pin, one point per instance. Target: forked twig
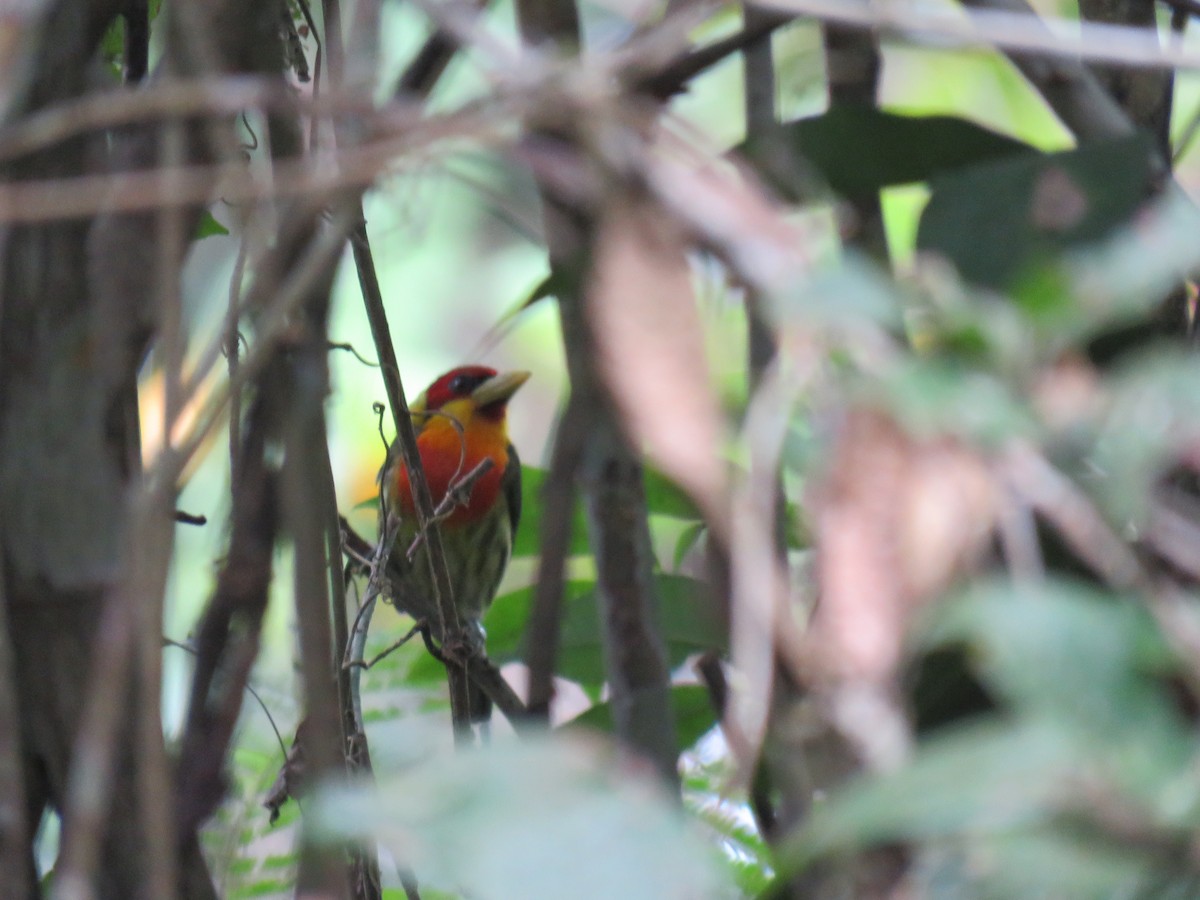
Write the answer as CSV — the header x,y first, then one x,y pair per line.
x,y
459,494
392,648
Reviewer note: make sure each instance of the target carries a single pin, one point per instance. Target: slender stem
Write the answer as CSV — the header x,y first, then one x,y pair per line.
x,y
15,837
233,360
559,494
304,472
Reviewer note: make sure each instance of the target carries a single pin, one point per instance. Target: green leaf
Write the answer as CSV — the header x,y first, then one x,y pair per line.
x,y
526,540
1042,862
533,818
858,150
548,288
1064,650
687,540
1132,272
1119,280
1090,663
987,776
112,47
1084,717
687,617
691,704
267,887
208,227
932,397
369,503
746,854
1154,412
507,618
665,498
996,220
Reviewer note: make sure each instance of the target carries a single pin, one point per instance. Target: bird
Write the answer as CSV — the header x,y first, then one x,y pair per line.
x,y
460,420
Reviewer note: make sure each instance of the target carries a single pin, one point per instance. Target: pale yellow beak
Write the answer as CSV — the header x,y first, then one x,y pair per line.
x,y
498,388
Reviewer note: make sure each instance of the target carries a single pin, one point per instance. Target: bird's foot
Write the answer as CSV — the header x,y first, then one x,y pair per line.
x,y
466,645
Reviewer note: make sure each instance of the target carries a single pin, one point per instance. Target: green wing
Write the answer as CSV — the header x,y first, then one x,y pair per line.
x,y
512,488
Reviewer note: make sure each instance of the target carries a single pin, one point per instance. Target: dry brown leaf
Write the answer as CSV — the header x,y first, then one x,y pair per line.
x,y
896,520
860,613
948,509
650,347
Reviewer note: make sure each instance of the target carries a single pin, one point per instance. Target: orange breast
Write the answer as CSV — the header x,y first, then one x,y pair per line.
x,y
447,456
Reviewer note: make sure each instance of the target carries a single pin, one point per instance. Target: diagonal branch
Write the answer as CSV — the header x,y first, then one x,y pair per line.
x,y
1071,90
1143,95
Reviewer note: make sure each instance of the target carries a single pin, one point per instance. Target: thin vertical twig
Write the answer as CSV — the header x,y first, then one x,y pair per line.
x,y
233,359
321,870
351,726
559,493
635,655
137,40
125,694
15,859
364,862
153,773
566,251
305,464
154,783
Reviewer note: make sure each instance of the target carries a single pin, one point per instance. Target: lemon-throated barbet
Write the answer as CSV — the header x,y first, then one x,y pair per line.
x,y
460,420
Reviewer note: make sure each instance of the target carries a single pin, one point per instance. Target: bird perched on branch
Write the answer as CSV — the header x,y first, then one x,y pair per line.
x,y
460,422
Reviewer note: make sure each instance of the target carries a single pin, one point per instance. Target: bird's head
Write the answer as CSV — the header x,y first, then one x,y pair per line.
x,y
468,394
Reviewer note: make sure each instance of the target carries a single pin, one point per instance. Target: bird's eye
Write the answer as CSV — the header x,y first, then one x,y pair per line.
x,y
460,385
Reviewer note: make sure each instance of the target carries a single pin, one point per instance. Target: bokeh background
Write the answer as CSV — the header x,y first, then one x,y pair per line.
x,y
456,242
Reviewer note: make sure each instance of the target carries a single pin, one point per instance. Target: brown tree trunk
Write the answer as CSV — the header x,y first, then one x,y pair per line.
x,y
78,305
